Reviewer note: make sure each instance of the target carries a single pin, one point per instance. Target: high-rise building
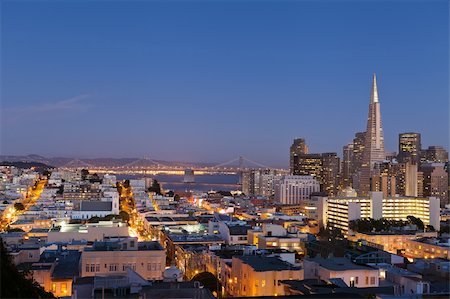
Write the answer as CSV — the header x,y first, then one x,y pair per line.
x,y
409,147
374,141
325,168
293,189
435,181
434,154
347,166
298,147
259,182
308,164
330,173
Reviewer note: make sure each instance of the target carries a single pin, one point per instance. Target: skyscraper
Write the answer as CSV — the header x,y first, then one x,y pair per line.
x,y
434,154
347,165
374,141
298,147
330,173
409,147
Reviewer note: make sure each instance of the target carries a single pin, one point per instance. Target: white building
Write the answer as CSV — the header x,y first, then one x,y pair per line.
x,y
293,189
339,211
352,274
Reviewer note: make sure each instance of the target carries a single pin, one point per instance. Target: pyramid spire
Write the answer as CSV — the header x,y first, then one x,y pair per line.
x,y
374,93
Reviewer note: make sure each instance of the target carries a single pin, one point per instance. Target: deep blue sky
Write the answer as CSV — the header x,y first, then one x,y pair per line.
x,y
210,80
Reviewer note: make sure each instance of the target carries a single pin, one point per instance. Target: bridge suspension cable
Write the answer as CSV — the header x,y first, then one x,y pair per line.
x,y
241,161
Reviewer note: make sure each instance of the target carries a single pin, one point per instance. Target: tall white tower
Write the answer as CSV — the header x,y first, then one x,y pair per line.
x,y
374,143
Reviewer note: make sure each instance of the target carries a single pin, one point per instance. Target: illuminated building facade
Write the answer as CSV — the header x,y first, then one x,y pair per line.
x,y
409,147
435,181
298,147
337,212
255,275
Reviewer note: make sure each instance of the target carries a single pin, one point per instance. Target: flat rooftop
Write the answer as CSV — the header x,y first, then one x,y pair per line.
x,y
264,263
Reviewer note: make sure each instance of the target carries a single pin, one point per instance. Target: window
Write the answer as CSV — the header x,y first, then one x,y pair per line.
x,y
367,279
113,267
159,266
53,287
356,280
30,255
97,268
149,266
372,280
263,283
64,287
92,267
132,243
87,267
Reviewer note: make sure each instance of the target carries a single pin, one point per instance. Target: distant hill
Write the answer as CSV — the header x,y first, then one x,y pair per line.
x,y
40,167
104,162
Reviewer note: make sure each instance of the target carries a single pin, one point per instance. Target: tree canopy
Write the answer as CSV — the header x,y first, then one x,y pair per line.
x,y
369,224
156,187
14,284
19,206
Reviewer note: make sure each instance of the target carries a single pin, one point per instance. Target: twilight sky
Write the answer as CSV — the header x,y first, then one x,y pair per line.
x,y
211,80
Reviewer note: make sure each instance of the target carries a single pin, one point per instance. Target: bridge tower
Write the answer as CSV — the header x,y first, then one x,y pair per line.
x,y
241,167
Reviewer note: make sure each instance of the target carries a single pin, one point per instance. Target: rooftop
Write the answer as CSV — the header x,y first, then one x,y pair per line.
x,y
338,264
265,263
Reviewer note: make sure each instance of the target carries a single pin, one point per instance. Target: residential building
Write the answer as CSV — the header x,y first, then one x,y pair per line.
x,y
255,275
114,256
293,189
341,268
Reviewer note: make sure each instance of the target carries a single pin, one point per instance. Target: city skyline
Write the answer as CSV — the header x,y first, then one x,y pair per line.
x,y
200,96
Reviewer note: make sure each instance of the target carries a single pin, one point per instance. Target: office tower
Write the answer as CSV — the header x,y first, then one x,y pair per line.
x,y
293,189
330,173
434,154
359,143
298,147
358,150
347,165
323,167
435,181
308,164
374,141
409,147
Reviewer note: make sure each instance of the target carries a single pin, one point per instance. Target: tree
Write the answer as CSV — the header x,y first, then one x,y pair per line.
x,y
14,284
126,184
170,193
60,190
19,206
176,197
417,221
155,187
124,215
84,174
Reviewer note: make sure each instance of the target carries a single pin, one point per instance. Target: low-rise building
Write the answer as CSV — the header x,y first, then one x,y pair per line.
x,y
254,275
352,274
114,256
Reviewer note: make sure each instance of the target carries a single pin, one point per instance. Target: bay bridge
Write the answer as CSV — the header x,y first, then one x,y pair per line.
x,y
150,166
